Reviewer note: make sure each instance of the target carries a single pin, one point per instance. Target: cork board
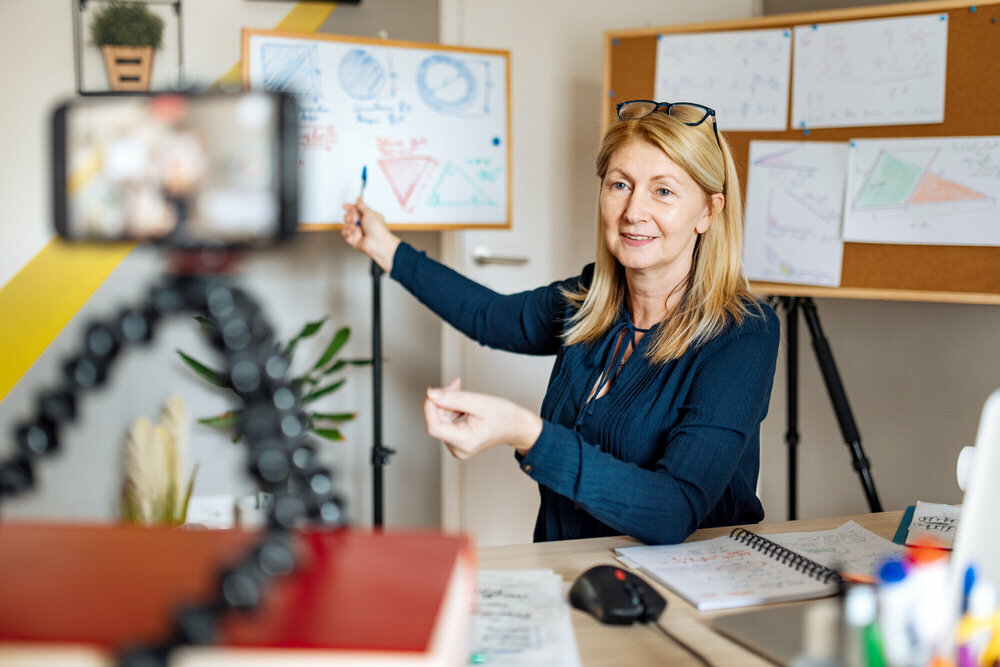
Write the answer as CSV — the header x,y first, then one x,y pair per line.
x,y
965,274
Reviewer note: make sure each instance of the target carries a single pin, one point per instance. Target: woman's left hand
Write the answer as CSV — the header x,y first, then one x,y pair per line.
x,y
469,423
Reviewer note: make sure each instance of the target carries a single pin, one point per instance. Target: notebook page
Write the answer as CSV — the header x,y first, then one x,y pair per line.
x,y
849,548
722,573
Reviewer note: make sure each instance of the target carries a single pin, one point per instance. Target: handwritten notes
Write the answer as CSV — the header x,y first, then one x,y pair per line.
x,y
849,548
795,196
724,572
874,72
929,190
743,75
430,125
520,617
934,523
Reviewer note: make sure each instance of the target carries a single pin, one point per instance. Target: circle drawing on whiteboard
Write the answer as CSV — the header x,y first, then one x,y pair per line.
x,y
445,84
361,76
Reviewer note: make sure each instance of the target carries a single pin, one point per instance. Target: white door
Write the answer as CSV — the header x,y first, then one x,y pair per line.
x,y
556,69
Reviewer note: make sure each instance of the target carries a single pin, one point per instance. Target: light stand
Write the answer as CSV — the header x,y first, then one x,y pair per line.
x,y
838,398
380,454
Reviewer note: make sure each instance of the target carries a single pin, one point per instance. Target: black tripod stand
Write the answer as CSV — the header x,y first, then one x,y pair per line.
x,y
834,387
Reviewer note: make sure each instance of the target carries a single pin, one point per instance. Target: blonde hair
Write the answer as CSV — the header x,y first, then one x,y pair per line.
x,y
716,289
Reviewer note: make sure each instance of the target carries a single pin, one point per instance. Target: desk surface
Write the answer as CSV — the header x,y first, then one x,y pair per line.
x,y
604,645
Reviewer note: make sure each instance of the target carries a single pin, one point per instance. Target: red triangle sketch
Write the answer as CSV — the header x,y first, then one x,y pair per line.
x,y
934,189
403,174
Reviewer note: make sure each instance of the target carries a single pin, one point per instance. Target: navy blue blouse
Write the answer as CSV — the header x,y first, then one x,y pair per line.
x,y
668,449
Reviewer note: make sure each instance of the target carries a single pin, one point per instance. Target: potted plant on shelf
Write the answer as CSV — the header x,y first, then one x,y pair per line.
x,y
127,33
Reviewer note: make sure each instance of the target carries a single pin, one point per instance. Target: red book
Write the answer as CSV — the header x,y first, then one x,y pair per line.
x,y
373,598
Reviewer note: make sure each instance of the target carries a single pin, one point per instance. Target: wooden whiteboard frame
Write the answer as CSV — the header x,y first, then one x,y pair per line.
x,y
371,41
629,73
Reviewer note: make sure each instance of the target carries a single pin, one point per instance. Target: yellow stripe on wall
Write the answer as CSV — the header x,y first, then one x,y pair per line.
x,y
44,295
48,291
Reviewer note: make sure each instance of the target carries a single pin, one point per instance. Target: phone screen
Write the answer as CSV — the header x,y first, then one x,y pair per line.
x,y
185,170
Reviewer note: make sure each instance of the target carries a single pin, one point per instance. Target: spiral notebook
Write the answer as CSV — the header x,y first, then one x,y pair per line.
x,y
743,569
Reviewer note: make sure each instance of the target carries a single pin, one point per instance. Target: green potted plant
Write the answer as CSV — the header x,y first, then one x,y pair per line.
x,y
127,33
318,381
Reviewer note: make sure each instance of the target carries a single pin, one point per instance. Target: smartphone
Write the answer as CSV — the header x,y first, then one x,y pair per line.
x,y
185,170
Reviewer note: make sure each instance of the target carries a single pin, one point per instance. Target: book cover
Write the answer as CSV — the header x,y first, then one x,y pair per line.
x,y
353,593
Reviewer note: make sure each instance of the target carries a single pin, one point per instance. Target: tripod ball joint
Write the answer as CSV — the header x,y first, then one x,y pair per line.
x,y
16,476
37,438
195,625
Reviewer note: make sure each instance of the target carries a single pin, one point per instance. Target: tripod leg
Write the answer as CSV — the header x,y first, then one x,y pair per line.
x,y
835,388
791,305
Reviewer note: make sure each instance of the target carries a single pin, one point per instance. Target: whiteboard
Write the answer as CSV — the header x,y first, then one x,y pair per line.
x,y
429,124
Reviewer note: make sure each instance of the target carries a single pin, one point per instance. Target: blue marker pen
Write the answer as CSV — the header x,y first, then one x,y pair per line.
x,y
364,182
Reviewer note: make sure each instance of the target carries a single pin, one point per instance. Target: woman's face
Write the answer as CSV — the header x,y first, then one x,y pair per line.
x,y
652,212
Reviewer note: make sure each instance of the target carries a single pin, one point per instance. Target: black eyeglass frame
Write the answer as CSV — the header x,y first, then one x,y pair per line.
x,y
666,106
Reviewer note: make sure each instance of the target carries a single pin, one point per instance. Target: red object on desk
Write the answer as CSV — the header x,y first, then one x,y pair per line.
x,y
351,591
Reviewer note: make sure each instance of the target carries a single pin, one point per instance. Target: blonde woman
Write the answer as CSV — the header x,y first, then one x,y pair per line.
x,y
650,425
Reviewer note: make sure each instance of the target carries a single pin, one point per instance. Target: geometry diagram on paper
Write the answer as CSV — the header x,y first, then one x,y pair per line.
x,y
455,87
292,68
903,179
456,188
794,203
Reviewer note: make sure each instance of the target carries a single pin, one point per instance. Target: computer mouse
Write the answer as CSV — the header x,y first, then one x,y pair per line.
x,y
615,596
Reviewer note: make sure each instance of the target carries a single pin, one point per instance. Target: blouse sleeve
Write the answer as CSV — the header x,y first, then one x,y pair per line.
x,y
723,410
528,322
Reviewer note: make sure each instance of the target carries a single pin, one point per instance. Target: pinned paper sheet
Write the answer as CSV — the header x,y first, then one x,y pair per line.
x,y
942,191
742,74
875,72
795,198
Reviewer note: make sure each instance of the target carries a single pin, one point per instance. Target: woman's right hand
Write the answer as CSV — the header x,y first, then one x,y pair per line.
x,y
365,230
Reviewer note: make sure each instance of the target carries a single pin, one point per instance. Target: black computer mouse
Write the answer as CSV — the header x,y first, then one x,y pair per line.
x,y
615,596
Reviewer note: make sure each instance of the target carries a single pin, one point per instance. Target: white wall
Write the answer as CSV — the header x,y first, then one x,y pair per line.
x,y
317,275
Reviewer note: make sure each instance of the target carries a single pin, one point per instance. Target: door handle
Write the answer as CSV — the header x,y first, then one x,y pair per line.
x,y
482,255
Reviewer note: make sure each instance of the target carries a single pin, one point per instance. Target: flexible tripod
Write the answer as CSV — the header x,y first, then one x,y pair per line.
x,y
280,455
838,398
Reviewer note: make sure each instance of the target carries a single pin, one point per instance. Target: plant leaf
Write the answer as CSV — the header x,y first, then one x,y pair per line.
x,y
328,433
319,393
361,362
335,367
336,343
226,420
213,376
206,324
187,494
333,417
308,331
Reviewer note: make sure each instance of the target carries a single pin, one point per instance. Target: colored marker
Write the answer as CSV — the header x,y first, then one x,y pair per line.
x,y
364,182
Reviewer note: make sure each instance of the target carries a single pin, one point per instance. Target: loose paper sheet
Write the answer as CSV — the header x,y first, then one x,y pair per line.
x,y
742,74
795,196
875,72
934,521
941,191
849,548
520,617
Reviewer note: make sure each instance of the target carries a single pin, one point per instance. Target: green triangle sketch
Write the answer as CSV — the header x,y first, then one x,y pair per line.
x,y
456,188
890,183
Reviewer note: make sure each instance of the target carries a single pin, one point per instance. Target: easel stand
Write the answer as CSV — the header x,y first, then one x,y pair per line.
x,y
834,387
380,454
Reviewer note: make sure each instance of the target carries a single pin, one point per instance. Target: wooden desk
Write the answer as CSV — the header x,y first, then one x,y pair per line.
x,y
645,645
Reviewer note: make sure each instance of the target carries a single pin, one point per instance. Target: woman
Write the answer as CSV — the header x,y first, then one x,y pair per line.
x,y
664,360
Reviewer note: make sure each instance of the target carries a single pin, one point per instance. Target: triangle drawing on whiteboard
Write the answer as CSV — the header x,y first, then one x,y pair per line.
x,y
456,188
404,173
